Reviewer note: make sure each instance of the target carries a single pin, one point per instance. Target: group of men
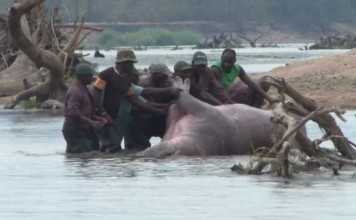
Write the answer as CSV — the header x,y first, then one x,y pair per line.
x,y
124,105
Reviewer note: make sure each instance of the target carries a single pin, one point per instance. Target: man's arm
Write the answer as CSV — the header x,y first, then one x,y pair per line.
x,y
209,98
250,83
135,97
145,106
201,93
159,92
218,89
217,73
72,110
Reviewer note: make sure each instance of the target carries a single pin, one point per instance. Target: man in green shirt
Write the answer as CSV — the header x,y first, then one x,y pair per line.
x,y
246,91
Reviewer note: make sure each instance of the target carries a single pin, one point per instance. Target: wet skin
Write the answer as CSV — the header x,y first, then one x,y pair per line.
x,y
199,129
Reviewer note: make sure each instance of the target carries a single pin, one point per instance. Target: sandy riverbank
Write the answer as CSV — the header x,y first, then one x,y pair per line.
x,y
329,80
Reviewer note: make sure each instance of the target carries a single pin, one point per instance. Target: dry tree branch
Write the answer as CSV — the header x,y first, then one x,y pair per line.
x,y
325,121
286,115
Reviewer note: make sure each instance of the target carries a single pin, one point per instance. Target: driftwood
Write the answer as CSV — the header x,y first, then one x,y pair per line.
x,y
44,47
290,140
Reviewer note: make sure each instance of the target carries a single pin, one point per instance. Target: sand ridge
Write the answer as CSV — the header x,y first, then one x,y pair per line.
x,y
330,80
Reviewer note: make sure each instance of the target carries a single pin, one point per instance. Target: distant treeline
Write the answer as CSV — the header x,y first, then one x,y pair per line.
x,y
296,12
146,37
299,13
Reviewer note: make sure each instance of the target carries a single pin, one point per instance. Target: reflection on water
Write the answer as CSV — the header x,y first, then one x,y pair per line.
x,y
38,181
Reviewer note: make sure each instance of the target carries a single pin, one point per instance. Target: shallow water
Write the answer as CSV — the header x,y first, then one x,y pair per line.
x,y
38,181
253,60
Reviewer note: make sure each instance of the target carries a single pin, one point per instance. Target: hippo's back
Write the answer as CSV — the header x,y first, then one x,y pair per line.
x,y
252,127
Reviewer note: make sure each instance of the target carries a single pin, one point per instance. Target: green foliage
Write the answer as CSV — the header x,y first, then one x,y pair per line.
x,y
286,11
147,37
108,39
187,37
300,14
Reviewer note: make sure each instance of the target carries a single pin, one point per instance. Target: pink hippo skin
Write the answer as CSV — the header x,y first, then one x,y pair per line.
x,y
196,128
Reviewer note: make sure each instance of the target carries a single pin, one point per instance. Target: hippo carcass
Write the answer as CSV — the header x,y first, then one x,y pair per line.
x,y
196,128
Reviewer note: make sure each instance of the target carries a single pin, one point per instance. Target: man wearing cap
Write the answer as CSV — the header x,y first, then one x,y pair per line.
x,y
146,125
159,77
246,91
203,83
79,111
182,69
115,93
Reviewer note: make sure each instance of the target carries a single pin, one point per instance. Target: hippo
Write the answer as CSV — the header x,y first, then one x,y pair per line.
x,y
195,128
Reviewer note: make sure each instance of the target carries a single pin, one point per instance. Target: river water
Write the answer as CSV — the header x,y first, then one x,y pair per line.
x,y
38,181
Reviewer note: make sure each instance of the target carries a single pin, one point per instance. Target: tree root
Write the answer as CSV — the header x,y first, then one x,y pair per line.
x,y
44,50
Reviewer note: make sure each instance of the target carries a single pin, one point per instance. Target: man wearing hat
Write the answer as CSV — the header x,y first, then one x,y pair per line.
x,y
115,93
246,91
182,69
159,76
79,111
203,83
146,125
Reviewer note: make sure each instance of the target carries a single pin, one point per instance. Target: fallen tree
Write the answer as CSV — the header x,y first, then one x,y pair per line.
x,y
293,151
44,51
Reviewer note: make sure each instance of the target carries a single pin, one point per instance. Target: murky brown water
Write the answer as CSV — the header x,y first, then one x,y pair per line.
x,y
38,181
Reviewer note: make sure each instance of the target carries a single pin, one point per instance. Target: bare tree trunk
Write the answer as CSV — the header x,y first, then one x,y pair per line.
x,y
54,87
44,49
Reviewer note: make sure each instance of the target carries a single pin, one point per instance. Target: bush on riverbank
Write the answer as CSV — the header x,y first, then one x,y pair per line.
x,y
147,37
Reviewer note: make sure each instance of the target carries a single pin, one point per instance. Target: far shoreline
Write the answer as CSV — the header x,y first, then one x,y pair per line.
x,y
328,80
